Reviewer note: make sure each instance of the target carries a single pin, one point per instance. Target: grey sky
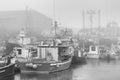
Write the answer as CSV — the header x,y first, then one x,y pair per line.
x,y
69,12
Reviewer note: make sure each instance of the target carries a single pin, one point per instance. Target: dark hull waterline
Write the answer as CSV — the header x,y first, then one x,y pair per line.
x,y
77,60
7,70
46,68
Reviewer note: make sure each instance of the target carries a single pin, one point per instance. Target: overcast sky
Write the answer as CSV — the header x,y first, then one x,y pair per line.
x,y
69,12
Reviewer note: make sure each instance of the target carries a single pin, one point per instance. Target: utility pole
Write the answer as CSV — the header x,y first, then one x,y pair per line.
x,y
91,13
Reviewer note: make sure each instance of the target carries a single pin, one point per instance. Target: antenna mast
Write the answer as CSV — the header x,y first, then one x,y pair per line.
x,y
28,15
54,19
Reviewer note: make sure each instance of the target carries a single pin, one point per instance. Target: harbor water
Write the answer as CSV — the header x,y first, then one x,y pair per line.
x,y
92,69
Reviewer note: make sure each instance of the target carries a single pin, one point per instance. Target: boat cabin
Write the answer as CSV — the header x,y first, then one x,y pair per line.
x,y
44,53
22,38
93,49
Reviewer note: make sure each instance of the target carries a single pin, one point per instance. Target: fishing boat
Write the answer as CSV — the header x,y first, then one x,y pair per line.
x,y
93,52
79,49
100,52
78,56
43,58
6,68
46,57
105,53
112,55
108,55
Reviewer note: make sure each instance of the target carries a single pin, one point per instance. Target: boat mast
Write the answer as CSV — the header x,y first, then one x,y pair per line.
x,y
83,15
28,15
55,24
99,25
91,14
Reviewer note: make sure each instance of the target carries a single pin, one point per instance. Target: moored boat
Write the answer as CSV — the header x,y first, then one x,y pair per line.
x,y
101,52
79,56
43,58
93,52
107,54
6,68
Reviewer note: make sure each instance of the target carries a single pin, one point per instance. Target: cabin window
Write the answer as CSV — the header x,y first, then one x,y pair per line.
x,y
34,53
19,51
93,48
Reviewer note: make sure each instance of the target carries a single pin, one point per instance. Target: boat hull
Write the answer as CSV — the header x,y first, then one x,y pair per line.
x,y
7,70
77,59
45,67
109,57
94,56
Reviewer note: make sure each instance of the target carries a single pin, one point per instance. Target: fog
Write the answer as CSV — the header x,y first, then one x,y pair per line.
x,y
69,12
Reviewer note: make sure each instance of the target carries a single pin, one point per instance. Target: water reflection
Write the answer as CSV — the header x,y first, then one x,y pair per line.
x,y
98,70
64,75
7,78
92,70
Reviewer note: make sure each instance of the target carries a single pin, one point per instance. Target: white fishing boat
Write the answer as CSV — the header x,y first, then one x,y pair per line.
x,y
93,52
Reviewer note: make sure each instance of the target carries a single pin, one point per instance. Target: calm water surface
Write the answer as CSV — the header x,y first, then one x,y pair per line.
x,y
92,70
